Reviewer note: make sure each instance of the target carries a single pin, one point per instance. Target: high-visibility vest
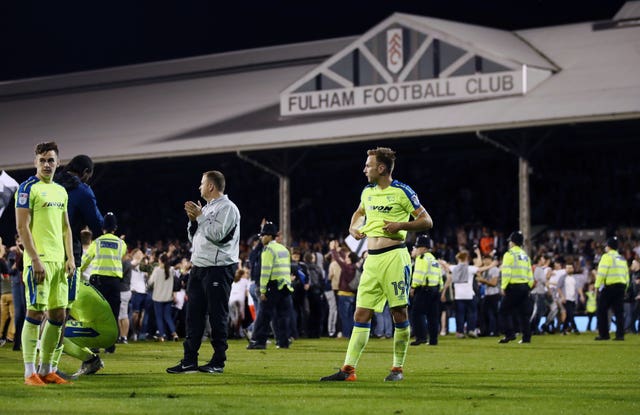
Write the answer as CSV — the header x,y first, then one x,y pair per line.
x,y
516,268
105,256
612,269
426,272
591,302
275,263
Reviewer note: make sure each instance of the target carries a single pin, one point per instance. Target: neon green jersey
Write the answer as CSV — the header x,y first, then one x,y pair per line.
x,y
393,204
48,204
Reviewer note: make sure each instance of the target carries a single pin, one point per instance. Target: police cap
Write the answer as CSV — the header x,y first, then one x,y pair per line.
x,y
269,228
516,237
423,241
110,222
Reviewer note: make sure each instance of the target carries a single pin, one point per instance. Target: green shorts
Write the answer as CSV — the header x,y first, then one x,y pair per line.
x,y
52,293
386,277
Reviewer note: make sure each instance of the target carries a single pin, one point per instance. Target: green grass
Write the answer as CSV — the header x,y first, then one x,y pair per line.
x,y
554,374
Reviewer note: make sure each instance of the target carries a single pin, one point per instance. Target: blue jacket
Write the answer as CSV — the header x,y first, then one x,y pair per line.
x,y
82,209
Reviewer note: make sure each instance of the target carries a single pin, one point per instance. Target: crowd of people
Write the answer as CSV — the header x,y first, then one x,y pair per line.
x,y
213,285
321,273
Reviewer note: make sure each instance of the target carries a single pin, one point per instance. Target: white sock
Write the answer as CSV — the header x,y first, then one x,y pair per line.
x,y
29,369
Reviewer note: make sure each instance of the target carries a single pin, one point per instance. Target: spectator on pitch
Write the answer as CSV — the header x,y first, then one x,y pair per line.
x,y
125,299
140,300
539,291
346,295
315,295
7,327
491,279
237,302
570,293
556,307
331,289
300,284
631,298
162,280
17,289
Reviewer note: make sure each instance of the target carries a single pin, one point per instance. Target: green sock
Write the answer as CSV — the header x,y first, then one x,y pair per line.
x,y
57,353
49,341
73,350
400,343
29,339
357,342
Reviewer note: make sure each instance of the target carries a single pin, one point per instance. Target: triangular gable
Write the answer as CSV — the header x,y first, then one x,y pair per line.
x,y
404,61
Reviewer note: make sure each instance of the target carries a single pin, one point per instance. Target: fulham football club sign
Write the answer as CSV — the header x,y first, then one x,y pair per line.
x,y
405,62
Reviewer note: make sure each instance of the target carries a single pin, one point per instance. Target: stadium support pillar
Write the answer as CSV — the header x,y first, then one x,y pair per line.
x,y
524,205
284,197
285,210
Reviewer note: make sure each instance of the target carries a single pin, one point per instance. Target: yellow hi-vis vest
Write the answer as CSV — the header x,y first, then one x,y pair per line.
x,y
275,266
612,269
426,272
516,268
105,256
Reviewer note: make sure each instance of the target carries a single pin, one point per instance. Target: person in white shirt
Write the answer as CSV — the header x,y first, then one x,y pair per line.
x,y
556,307
569,292
466,302
237,299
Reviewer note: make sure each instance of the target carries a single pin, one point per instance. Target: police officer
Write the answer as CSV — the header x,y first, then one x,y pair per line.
x,y
426,285
611,281
275,291
105,256
517,280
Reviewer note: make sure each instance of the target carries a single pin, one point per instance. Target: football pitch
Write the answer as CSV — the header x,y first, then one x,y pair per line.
x,y
554,374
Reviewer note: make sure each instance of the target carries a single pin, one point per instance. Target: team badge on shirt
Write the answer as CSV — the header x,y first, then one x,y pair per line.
x,y
22,198
415,200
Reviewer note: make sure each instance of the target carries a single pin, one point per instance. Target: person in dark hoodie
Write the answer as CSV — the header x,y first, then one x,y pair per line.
x,y
82,208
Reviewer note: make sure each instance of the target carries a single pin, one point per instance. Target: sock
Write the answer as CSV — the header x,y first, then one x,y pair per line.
x,y
57,353
49,342
29,339
357,342
400,343
81,353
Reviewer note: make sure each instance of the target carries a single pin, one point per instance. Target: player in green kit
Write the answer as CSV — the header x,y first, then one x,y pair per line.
x,y
91,325
385,206
43,226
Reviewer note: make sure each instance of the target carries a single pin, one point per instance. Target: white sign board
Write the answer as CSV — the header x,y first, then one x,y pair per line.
x,y
432,91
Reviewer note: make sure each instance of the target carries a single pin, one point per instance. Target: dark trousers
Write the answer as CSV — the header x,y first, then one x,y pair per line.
x,y
517,303
612,296
109,287
208,292
569,321
466,310
491,304
279,305
315,295
19,311
425,314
